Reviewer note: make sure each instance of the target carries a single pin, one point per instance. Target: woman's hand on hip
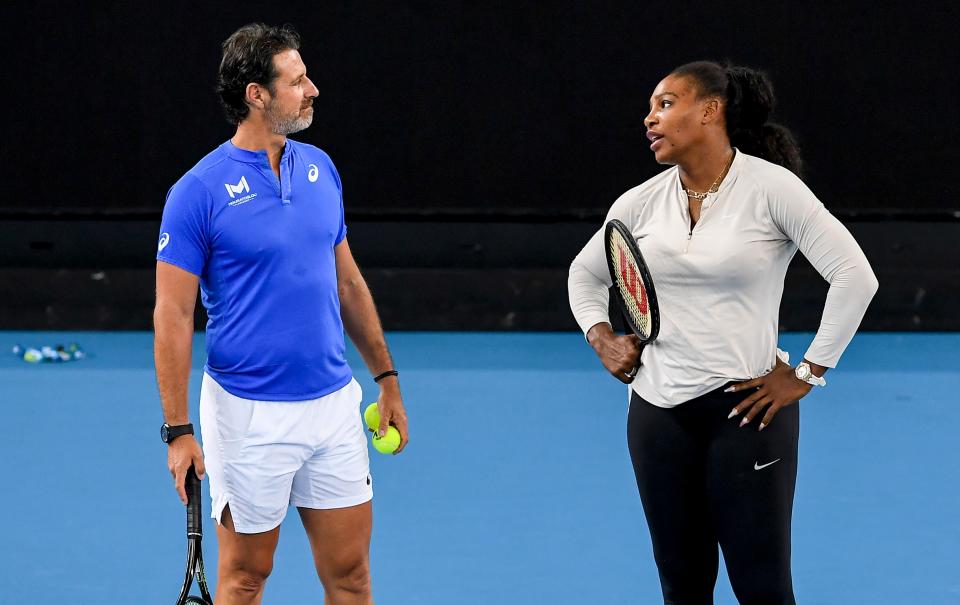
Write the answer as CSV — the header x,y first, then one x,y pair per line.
x,y
773,391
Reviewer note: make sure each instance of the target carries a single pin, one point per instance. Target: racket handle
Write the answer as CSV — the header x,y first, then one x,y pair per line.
x,y
194,522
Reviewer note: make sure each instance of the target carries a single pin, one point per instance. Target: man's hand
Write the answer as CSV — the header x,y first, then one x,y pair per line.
x,y
619,354
773,391
390,406
181,454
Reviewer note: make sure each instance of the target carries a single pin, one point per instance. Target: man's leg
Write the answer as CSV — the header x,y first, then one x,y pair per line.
x,y
252,451
245,562
340,541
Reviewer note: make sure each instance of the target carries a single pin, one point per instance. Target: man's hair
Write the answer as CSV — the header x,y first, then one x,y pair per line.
x,y
248,57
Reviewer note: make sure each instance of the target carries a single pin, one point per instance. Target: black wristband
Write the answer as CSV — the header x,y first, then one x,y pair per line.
x,y
169,433
380,377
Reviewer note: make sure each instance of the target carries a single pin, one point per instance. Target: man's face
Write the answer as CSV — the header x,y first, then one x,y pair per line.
x,y
290,107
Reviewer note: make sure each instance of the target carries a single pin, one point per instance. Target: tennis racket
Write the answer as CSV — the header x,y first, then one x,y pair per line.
x,y
632,284
194,549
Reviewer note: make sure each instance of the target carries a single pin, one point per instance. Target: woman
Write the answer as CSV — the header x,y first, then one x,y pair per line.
x,y
714,420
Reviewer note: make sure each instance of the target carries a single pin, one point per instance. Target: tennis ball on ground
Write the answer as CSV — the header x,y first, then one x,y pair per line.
x,y
371,416
389,443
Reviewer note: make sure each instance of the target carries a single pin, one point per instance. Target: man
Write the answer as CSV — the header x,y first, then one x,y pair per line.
x,y
258,224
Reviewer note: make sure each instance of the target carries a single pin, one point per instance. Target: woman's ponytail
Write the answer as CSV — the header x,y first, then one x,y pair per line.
x,y
750,101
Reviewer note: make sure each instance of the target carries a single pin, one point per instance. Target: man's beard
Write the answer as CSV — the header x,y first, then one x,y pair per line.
x,y
284,125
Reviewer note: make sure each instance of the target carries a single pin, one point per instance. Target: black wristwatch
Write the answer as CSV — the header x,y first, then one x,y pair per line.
x,y
169,433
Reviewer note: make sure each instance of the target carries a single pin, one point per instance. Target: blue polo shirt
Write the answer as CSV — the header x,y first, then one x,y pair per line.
x,y
263,248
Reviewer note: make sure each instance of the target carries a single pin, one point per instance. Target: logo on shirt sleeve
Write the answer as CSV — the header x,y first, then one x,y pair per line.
x,y
164,240
313,174
241,187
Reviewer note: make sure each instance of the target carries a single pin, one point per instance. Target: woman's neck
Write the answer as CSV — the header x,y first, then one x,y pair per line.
x,y
702,170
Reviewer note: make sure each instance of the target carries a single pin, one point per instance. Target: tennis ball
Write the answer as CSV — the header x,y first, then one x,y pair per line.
x,y
372,417
389,443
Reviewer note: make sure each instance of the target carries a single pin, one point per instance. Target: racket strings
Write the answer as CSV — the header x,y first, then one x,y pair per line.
x,y
630,284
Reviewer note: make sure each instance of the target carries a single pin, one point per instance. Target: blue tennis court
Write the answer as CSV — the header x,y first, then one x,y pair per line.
x,y
516,488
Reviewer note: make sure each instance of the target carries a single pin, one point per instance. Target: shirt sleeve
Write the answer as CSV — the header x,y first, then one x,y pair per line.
x,y
835,254
185,226
588,282
342,233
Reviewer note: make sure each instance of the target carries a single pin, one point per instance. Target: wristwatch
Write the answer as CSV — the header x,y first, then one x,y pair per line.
x,y
169,433
804,373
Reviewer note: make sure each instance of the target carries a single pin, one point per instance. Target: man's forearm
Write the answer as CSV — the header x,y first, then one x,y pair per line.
x,y
172,347
362,324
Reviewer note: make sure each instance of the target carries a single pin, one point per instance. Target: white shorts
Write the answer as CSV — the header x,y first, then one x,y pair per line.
x,y
264,456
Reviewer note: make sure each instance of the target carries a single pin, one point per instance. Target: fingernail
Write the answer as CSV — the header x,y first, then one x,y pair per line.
x,y
729,389
744,422
733,413
382,433
762,425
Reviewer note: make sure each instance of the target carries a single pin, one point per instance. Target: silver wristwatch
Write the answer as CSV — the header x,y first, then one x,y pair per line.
x,y
804,373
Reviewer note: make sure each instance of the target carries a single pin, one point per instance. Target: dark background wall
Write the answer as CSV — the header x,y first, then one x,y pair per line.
x,y
479,143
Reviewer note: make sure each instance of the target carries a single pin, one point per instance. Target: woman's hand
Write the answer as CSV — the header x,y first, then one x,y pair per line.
x,y
619,354
773,391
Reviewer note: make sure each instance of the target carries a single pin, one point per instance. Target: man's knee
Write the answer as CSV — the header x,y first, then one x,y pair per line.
x,y
352,576
244,573
244,580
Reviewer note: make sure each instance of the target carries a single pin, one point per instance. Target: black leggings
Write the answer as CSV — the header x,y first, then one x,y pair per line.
x,y
706,482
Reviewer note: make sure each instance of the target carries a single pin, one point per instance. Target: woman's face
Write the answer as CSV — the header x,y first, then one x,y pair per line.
x,y
676,119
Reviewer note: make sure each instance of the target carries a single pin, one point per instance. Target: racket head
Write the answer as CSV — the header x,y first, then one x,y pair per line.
x,y
632,284
197,601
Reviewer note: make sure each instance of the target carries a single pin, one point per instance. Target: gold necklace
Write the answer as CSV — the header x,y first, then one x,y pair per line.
x,y
714,187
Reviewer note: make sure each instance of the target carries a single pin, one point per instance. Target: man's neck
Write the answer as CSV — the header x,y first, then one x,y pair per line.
x,y
254,135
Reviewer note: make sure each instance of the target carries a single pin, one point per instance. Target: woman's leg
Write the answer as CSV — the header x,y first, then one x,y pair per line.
x,y
751,479
668,449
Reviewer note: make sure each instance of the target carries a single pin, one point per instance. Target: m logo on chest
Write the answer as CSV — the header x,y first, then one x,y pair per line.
x,y
241,187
